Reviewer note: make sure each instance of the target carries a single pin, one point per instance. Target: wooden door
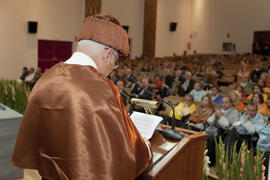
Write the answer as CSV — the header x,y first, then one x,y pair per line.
x,y
53,52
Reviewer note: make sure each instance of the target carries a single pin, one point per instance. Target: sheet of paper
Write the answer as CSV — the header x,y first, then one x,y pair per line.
x,y
145,123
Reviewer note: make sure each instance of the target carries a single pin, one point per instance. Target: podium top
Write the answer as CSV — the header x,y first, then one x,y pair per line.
x,y
8,113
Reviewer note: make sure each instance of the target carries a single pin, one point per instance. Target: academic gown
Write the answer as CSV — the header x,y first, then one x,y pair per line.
x,y
76,127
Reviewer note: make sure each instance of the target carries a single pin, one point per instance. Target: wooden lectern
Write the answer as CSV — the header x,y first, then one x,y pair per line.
x,y
182,160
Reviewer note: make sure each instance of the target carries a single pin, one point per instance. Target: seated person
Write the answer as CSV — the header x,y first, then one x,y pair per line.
x,y
203,112
222,119
24,74
256,73
240,89
258,89
183,109
30,75
178,79
250,123
120,86
263,145
197,92
168,78
216,98
261,83
245,83
161,87
236,100
265,78
262,106
157,82
129,76
187,85
141,91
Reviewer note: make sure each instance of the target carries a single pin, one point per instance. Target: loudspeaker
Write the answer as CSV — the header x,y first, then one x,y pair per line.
x,y
173,26
125,27
32,26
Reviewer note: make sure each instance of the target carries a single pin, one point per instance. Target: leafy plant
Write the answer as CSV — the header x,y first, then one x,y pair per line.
x,y
14,95
241,165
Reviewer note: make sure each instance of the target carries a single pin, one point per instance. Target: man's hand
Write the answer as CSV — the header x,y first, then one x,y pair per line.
x,y
231,128
218,114
248,117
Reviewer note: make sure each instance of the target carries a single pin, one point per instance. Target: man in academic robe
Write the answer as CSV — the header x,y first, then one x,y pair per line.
x,y
75,125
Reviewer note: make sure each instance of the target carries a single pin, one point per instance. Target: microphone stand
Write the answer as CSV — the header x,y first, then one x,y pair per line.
x,y
168,133
129,97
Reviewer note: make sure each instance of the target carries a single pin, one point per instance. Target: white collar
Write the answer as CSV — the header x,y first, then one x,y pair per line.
x,y
81,59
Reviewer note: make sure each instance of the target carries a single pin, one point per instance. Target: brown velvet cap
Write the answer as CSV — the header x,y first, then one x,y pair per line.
x,y
106,30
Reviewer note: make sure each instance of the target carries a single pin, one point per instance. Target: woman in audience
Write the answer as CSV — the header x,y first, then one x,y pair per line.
x,y
261,83
243,73
258,89
236,100
157,82
183,110
203,112
262,106
265,78
241,91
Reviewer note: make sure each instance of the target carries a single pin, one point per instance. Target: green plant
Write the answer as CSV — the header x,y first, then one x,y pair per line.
x,y
14,95
241,165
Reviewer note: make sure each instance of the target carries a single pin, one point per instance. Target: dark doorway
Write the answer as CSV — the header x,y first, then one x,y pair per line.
x,y
53,52
261,43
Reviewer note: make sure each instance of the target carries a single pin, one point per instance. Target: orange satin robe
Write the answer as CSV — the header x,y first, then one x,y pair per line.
x,y
76,127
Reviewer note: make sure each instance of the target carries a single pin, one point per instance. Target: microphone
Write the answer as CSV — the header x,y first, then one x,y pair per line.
x,y
168,133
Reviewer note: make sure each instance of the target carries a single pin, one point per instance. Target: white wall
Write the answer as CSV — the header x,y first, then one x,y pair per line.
x,y
131,13
172,11
55,18
209,21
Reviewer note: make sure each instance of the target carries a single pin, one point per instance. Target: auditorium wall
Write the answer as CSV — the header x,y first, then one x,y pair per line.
x,y
131,13
205,24
57,20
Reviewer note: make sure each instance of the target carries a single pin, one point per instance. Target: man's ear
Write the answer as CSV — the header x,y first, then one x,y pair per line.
x,y
108,54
